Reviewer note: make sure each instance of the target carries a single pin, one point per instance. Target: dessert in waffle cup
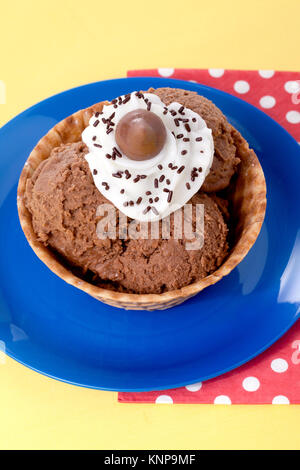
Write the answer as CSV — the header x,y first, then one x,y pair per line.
x,y
247,198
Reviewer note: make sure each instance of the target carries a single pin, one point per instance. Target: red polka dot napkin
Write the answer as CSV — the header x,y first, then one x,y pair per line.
x,y
274,376
276,93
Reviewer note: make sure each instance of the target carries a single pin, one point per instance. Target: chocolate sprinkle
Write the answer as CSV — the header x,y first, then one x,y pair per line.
x,y
154,210
95,172
117,152
98,145
160,167
184,152
161,178
172,167
156,183
179,136
187,126
156,199
194,174
147,210
188,185
94,138
139,200
198,139
122,191
170,195
181,109
126,99
96,123
109,130
148,193
180,170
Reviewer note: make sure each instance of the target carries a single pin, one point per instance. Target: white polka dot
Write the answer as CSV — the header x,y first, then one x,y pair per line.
x,y
194,387
292,86
267,101
241,86
166,72
193,81
164,399
293,117
266,73
216,73
279,365
251,384
280,400
222,400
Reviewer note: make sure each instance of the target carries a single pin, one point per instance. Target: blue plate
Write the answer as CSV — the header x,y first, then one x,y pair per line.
x,y
62,332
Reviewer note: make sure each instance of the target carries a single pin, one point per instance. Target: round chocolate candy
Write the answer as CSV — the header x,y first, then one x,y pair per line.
x,y
140,134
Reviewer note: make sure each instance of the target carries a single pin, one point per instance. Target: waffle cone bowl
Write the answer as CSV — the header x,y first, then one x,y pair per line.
x,y
248,199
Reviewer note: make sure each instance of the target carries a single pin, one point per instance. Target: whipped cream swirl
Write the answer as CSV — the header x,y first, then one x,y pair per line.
x,y
151,189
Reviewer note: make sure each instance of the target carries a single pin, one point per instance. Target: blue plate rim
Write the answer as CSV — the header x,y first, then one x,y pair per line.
x,y
178,83
165,387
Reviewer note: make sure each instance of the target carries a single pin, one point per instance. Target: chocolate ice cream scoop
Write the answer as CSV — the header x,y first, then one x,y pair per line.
x,y
63,201
140,134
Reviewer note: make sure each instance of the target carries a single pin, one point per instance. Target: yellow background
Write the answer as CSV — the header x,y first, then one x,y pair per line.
x,y
48,46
